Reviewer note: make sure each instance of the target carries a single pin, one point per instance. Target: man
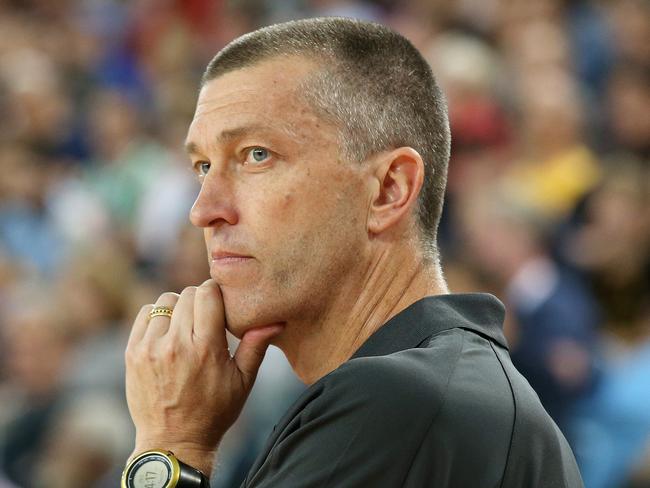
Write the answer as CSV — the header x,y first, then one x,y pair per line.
x,y
321,147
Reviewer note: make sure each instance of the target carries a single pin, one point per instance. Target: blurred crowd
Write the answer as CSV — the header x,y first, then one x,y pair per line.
x,y
547,207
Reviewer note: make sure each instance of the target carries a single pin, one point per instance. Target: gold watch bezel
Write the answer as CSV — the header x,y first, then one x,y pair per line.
x,y
176,468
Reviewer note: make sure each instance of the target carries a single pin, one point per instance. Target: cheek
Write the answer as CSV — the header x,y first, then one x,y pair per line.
x,y
288,200
292,219
274,215
293,205
311,207
281,207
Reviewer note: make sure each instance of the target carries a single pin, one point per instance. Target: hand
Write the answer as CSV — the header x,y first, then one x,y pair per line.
x,y
183,388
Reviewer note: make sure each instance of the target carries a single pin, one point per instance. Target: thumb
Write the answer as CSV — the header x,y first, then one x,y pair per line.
x,y
251,351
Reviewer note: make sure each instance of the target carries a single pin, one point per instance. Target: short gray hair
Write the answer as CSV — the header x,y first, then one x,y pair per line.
x,y
374,85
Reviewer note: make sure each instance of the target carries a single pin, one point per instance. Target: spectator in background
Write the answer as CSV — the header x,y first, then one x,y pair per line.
x,y
127,161
97,304
36,340
84,442
628,106
27,231
630,23
612,247
611,428
556,168
470,73
554,319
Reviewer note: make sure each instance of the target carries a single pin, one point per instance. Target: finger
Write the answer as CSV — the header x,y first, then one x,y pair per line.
x,y
251,351
158,326
182,320
140,324
209,315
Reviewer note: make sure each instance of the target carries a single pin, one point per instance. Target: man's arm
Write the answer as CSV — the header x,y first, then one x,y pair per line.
x,y
183,388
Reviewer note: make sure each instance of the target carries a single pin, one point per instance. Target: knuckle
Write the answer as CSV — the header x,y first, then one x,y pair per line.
x,y
133,355
151,354
206,353
202,356
200,348
169,350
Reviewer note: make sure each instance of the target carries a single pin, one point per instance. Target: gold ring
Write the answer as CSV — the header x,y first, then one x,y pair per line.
x,y
161,312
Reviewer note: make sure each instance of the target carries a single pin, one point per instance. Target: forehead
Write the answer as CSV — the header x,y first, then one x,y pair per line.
x,y
266,95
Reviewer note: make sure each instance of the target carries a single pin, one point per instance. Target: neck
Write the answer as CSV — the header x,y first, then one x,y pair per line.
x,y
390,285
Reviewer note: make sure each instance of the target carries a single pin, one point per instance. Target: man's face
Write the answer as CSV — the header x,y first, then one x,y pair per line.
x,y
284,218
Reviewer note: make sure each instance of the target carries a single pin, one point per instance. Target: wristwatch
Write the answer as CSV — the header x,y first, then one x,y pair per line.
x,y
161,469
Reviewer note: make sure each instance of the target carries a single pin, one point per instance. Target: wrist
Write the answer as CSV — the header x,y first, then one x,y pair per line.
x,y
197,457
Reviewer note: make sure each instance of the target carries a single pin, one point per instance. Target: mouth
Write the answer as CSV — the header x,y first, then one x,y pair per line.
x,y
226,257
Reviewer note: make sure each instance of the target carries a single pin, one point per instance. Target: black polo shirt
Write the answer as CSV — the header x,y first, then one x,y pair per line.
x,y
430,400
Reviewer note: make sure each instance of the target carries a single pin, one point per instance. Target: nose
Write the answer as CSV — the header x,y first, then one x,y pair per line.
x,y
215,204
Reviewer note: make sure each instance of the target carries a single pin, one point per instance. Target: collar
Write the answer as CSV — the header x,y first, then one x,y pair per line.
x,y
479,312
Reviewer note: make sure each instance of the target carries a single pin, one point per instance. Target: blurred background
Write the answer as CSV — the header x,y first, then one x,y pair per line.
x,y
547,207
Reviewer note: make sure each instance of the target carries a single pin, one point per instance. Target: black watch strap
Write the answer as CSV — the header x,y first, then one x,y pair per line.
x,y
191,477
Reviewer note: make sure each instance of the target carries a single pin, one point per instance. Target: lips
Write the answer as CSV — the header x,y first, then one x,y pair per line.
x,y
220,256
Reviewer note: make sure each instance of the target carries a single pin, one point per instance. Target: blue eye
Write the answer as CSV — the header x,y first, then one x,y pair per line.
x,y
202,168
258,155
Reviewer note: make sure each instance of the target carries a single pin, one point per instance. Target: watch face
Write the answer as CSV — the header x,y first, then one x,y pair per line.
x,y
153,471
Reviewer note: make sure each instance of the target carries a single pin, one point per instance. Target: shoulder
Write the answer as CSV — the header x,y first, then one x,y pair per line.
x,y
409,382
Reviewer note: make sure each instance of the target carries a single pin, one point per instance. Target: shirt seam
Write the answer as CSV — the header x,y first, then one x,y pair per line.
x,y
514,416
437,413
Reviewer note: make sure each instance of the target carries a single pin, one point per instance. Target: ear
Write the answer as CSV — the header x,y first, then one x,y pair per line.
x,y
400,174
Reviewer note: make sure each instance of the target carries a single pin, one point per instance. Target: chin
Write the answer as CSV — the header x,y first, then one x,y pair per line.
x,y
244,311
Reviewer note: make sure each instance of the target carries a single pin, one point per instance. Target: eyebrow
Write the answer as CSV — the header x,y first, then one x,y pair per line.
x,y
226,136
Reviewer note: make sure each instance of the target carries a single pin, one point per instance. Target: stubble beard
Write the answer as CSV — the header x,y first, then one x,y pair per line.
x,y
300,288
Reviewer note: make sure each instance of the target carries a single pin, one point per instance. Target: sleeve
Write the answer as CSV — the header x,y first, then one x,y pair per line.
x,y
363,430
